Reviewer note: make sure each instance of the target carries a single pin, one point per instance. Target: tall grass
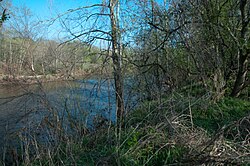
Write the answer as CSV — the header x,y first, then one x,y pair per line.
x,y
181,129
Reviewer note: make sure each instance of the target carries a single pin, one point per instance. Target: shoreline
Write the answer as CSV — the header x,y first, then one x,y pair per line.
x,y
33,79
23,79
6,79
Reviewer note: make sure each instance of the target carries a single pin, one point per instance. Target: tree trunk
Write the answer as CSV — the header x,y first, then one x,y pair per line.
x,y
219,84
244,52
241,75
116,63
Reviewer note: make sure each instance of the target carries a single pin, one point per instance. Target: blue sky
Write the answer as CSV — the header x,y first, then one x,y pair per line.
x,y
49,9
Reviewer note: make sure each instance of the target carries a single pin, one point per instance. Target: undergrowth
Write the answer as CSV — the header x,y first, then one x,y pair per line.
x,y
179,129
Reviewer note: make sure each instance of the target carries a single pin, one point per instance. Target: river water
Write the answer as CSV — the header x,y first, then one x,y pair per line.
x,y
25,106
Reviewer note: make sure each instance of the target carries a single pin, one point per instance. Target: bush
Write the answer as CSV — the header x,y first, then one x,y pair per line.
x,y
221,113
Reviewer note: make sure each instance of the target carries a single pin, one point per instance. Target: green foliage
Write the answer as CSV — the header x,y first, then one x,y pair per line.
x,y
195,90
5,16
155,155
86,152
146,138
206,113
173,155
219,114
149,146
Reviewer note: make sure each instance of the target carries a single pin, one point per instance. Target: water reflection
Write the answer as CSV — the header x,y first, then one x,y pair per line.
x,y
28,105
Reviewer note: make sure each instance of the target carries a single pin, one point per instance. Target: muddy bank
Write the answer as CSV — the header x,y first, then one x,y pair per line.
x,y
6,79
36,78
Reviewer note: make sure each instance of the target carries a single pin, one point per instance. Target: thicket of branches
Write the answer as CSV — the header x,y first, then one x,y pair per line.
x,y
165,47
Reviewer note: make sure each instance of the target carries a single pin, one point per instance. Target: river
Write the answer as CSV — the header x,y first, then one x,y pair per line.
x,y
23,107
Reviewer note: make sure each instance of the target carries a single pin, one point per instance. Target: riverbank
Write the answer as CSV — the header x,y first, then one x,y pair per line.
x,y
6,79
33,79
178,131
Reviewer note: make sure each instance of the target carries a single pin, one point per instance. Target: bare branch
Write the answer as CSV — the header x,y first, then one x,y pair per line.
x,y
96,14
74,10
85,33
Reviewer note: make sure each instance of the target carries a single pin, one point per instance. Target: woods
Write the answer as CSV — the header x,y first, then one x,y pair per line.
x,y
186,63
210,38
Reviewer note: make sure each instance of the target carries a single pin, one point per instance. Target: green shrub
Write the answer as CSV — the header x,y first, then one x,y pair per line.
x,y
221,113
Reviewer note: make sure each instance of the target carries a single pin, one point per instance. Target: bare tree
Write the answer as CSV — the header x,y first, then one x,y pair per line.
x,y
102,26
243,79
23,26
116,57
